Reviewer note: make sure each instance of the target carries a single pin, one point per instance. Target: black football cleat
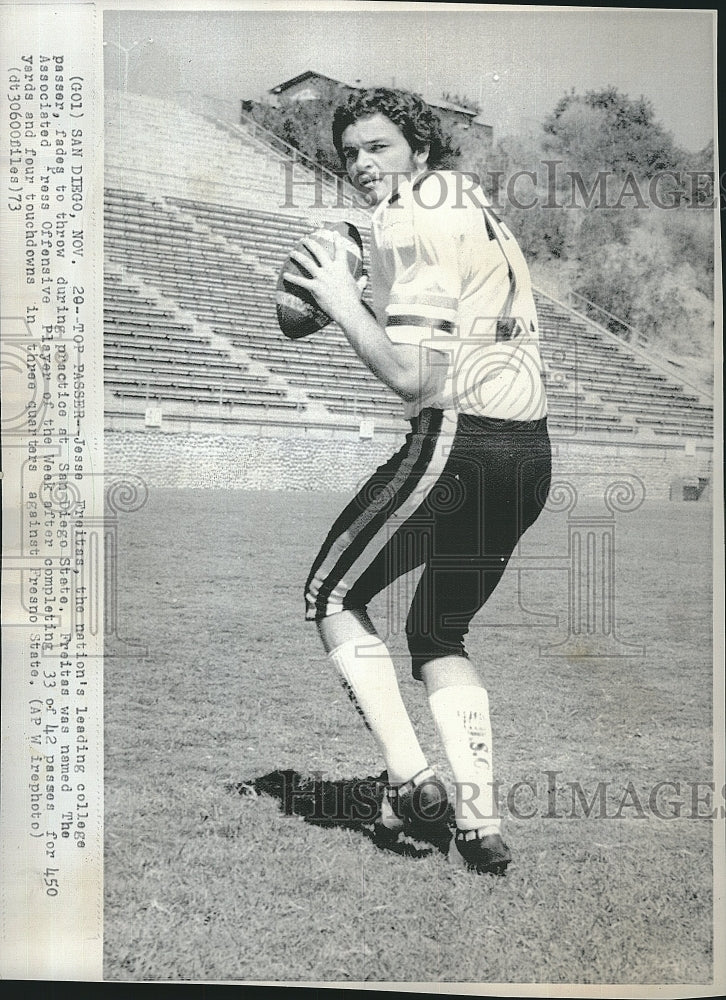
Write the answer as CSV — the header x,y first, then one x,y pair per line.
x,y
418,809
487,854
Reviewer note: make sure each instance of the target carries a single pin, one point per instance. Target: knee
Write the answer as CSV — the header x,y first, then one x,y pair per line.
x,y
449,671
426,644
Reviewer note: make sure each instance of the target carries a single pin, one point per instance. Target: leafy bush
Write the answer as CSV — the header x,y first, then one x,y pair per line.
x,y
650,266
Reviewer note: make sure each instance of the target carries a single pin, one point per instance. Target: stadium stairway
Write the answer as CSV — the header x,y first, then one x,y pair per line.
x,y
199,258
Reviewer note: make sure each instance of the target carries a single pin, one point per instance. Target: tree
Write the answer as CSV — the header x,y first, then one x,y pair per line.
x,y
605,130
542,232
649,265
648,283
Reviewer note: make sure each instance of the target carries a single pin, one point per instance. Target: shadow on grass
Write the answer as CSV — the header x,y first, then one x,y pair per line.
x,y
349,803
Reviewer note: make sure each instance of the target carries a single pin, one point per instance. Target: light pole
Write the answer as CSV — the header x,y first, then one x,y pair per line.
x,y
127,52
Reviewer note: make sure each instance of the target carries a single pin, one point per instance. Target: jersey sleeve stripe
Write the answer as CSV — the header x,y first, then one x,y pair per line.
x,y
421,322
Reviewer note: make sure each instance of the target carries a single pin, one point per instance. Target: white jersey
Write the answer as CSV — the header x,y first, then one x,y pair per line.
x,y
447,275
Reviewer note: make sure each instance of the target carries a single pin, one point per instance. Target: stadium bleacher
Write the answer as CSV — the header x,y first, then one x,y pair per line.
x,y
189,312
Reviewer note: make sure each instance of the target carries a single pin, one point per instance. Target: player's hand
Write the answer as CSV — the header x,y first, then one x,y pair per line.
x,y
330,283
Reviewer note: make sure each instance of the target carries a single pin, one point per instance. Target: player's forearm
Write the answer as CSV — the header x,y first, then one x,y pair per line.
x,y
384,358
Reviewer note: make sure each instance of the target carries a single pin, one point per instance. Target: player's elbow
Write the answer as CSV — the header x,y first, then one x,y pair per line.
x,y
407,387
411,384
406,374
415,373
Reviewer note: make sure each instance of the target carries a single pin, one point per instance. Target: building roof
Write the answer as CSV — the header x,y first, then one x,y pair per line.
x,y
448,106
311,74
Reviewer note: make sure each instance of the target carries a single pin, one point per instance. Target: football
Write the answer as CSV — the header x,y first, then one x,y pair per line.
x,y
297,311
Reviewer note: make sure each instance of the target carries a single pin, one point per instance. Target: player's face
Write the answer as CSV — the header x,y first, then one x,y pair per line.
x,y
376,154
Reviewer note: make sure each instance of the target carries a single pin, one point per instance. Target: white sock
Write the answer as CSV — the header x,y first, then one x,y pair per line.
x,y
369,677
461,714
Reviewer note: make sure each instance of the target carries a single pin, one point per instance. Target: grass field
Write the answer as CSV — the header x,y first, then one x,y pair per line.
x,y
207,878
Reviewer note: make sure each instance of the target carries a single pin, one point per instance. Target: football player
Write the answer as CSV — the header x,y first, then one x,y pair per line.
x,y
453,331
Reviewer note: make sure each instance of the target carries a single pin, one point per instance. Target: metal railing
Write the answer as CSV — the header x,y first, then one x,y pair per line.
x,y
634,338
673,369
613,323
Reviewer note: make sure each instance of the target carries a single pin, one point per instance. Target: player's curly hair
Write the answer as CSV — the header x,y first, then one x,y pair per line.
x,y
420,125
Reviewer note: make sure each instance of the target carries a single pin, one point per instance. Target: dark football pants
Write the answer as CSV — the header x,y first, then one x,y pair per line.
x,y
456,499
